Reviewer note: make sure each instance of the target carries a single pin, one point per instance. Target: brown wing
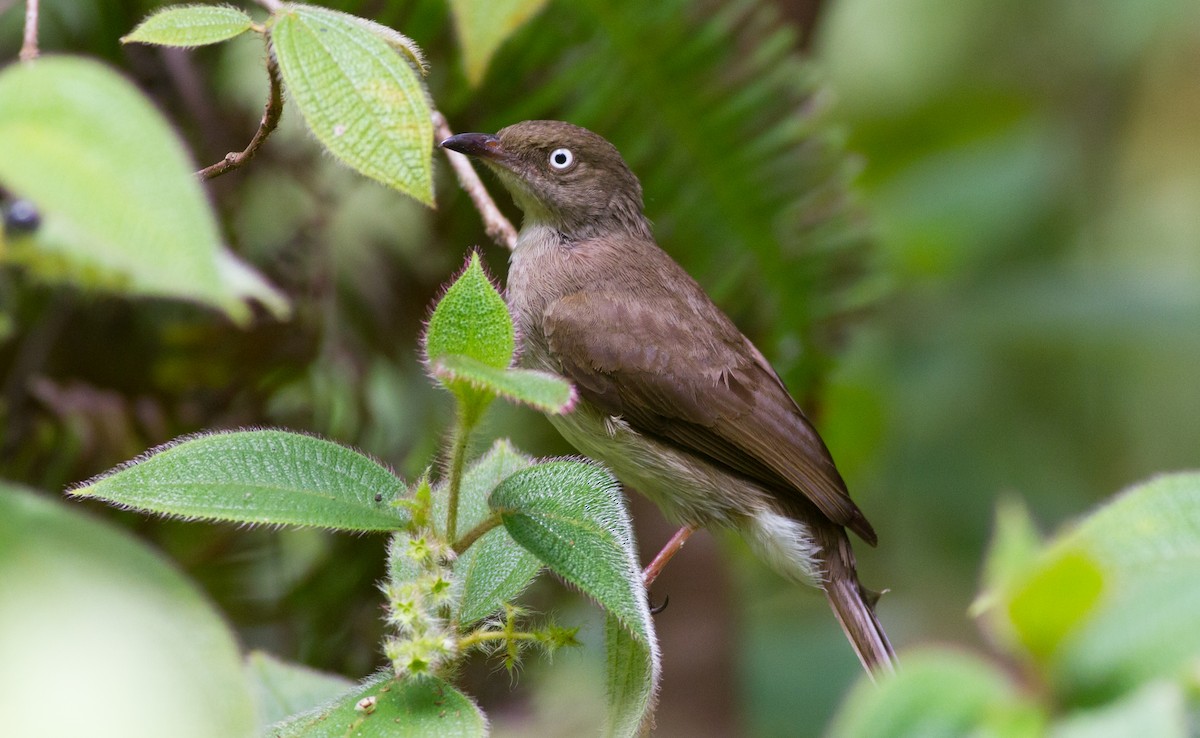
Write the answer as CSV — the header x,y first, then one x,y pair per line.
x,y
710,395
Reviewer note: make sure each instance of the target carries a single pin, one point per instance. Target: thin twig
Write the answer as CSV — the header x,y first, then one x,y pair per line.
x,y
29,49
272,6
497,227
270,119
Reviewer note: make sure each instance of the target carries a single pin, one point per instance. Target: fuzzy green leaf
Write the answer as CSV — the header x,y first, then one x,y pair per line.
x,y
190,25
483,25
937,693
495,569
265,476
571,515
362,100
284,689
539,390
472,320
386,707
121,208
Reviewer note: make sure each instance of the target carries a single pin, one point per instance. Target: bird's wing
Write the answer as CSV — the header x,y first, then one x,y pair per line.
x,y
711,395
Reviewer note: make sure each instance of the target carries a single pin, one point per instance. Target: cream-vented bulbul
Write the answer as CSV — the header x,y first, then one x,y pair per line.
x,y
673,398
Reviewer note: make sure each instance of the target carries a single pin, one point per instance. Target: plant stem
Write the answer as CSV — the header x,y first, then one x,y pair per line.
x,y
476,533
29,47
270,119
458,457
480,636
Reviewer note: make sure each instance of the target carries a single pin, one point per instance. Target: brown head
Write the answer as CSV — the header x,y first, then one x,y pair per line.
x,y
561,176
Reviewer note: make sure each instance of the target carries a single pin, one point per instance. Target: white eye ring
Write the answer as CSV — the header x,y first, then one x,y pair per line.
x,y
560,159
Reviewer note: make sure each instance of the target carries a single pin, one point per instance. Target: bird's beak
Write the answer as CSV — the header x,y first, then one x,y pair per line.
x,y
481,145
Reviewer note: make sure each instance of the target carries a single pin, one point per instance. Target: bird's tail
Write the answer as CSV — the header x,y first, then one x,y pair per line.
x,y
854,607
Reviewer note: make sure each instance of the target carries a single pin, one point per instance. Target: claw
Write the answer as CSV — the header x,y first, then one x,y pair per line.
x,y
656,609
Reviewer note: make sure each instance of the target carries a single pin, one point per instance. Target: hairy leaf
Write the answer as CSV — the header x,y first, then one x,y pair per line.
x,y
362,100
385,706
190,25
571,515
264,476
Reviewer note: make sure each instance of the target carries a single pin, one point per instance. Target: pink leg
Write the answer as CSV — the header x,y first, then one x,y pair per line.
x,y
651,572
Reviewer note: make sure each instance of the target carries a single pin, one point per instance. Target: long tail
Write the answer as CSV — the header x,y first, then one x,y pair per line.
x,y
854,607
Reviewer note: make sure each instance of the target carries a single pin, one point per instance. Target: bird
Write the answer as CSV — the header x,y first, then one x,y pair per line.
x,y
672,397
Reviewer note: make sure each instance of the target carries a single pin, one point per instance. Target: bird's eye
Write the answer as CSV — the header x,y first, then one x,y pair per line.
x,y
560,159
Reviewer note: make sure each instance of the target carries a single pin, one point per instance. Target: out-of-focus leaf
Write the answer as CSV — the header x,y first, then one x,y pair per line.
x,y
1157,709
937,693
539,390
1150,527
265,476
121,207
244,282
1146,630
155,657
284,689
1013,551
1054,600
485,24
571,515
495,569
363,101
385,707
190,25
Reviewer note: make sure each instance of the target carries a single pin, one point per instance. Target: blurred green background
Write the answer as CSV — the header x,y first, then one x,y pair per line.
x,y
966,232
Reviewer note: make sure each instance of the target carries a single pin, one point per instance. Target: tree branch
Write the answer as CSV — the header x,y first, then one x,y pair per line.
x,y
497,227
29,48
270,119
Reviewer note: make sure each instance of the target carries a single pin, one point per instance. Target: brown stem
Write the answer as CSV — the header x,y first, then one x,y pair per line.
x,y
29,49
651,572
270,119
497,227
468,538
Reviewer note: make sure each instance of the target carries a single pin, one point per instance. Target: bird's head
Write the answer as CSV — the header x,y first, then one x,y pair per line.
x,y
560,175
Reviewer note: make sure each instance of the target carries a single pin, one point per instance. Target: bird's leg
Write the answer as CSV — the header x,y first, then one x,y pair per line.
x,y
650,573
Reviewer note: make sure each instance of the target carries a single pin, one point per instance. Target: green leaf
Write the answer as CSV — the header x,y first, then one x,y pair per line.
x,y
494,570
571,515
190,25
471,319
1153,526
85,604
483,25
630,680
937,693
264,476
1054,600
122,209
1145,630
384,707
283,689
364,102
540,390
1157,709
1013,552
